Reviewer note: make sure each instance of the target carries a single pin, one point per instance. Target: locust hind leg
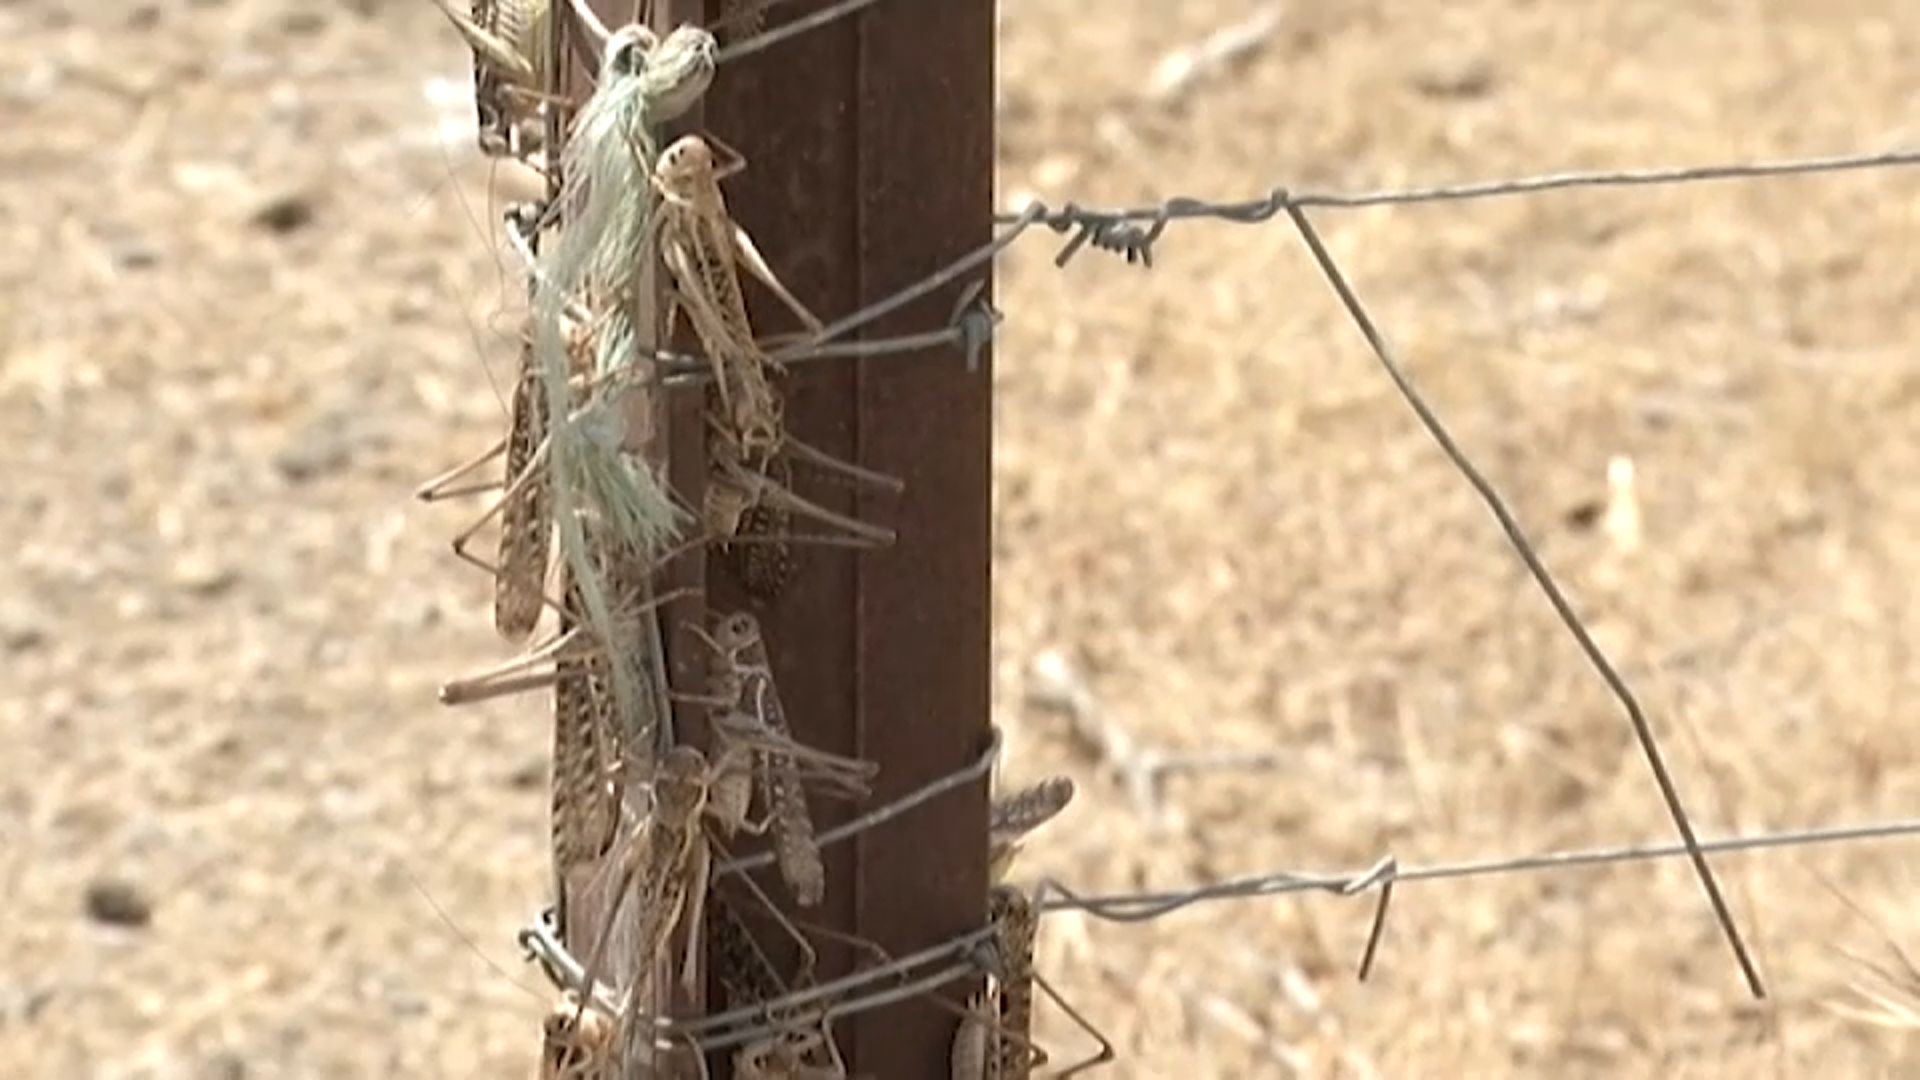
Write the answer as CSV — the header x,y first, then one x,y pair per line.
x,y
1103,1056
526,514
993,1041
465,536
878,957
789,926
699,871
847,777
524,672
827,463
756,264
520,569
494,51
441,487
855,533
749,518
744,250
763,568
537,669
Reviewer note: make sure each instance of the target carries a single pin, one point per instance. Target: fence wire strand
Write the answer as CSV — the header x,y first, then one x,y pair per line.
x,y
1131,232
805,24
905,977
1562,607
1145,906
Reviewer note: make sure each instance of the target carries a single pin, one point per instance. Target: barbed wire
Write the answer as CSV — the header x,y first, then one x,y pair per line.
x,y
1145,906
1131,232
1118,232
968,953
1121,232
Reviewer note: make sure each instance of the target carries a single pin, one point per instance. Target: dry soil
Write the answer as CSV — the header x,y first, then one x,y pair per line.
x,y
247,302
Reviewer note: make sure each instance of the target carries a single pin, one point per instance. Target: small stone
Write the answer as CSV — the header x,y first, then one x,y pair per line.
x,y
22,1004
224,1065
283,213
118,902
304,23
313,455
406,1002
327,444
203,576
1457,75
531,774
1583,515
133,253
21,627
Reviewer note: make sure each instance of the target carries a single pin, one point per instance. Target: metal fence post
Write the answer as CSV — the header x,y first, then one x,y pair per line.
x,y
870,153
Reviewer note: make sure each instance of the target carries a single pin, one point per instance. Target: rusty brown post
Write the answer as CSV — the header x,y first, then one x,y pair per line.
x,y
870,151
870,147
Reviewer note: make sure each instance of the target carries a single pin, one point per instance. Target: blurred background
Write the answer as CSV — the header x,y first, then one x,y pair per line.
x,y
250,297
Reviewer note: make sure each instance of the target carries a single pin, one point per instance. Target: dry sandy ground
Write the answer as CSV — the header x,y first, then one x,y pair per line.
x,y
245,306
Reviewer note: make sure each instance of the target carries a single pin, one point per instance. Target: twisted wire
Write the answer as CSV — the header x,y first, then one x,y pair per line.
x,y
968,953
868,988
1131,232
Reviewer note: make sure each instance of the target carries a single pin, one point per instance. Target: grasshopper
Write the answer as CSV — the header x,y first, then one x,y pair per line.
x,y
748,720
783,1055
524,508
667,866
520,580
662,79
702,248
1014,1054
609,507
747,977
967,1059
994,1040
508,39
575,1043
1011,817
511,43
